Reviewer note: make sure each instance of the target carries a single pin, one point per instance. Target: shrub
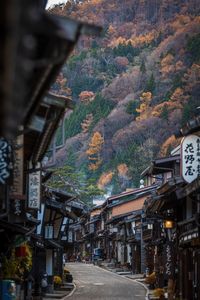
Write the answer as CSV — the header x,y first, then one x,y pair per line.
x,y
151,279
57,280
158,292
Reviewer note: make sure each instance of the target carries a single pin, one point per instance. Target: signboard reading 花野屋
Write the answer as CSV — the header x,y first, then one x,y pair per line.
x,y
190,157
34,193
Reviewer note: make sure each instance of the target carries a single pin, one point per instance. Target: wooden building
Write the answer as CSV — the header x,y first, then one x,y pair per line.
x,y
172,219
34,46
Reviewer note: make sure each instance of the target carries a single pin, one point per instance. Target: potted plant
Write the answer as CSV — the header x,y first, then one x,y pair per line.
x,y
57,280
17,264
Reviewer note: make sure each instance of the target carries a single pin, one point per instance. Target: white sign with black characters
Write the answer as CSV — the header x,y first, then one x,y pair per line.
x,y
190,157
5,160
34,191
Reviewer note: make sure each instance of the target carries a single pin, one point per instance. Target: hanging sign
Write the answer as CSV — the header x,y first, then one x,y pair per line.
x,y
18,152
169,260
34,191
190,157
17,210
5,160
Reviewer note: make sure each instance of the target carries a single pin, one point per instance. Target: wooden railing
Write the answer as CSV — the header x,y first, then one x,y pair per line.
x,y
187,226
147,234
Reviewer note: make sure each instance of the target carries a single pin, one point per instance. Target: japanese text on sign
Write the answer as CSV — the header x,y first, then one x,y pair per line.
x,y
5,160
18,153
34,190
169,260
190,157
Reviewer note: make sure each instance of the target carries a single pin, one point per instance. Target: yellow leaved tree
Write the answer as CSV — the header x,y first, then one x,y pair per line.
x,y
94,151
144,110
85,125
105,179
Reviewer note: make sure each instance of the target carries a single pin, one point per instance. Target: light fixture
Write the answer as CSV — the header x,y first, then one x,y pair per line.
x,y
168,224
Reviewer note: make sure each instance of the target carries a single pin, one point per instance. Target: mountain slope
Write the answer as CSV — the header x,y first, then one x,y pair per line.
x,y
141,83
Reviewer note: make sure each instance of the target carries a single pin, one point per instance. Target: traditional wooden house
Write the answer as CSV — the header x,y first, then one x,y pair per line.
x,y
172,214
34,46
58,211
123,228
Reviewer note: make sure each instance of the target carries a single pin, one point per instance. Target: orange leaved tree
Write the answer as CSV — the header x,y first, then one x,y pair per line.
x,y
94,151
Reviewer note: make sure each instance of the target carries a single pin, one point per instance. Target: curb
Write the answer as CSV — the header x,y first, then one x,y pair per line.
x,y
71,293
146,288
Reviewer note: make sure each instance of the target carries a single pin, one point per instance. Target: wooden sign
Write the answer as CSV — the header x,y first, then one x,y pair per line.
x,y
190,157
17,210
34,190
169,259
18,152
5,160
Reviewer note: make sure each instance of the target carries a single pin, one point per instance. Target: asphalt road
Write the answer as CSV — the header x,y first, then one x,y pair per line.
x,y
94,283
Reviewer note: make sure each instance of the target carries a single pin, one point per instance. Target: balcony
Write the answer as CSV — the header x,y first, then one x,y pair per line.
x,y
147,234
188,231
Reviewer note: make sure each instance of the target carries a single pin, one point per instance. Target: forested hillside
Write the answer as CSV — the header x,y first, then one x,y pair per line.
x,y
133,87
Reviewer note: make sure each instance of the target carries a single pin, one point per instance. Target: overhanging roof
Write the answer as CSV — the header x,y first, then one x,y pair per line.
x,y
161,165
191,126
189,189
53,244
34,46
131,194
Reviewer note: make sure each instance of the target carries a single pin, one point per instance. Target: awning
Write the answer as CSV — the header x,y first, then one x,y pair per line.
x,y
34,46
170,186
191,126
161,165
188,189
53,244
16,228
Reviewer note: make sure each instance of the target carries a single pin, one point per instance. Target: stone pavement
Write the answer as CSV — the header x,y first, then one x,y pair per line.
x,y
137,277
67,289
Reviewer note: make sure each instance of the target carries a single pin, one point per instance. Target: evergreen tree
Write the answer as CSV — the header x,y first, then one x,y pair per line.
x,y
150,85
142,67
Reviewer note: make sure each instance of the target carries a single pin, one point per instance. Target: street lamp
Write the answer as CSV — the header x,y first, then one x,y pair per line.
x,y
168,224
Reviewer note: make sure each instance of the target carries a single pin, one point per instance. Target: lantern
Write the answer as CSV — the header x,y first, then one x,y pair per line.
x,y
20,251
168,224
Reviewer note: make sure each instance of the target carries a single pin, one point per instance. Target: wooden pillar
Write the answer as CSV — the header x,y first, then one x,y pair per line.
x,y
171,288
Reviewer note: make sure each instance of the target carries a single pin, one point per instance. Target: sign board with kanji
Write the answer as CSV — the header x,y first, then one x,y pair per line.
x,y
18,170
5,160
17,210
190,157
169,260
34,191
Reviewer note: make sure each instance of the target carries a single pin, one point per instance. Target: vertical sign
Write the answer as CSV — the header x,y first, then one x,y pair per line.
x,y
17,210
5,160
34,191
190,157
169,258
40,216
18,153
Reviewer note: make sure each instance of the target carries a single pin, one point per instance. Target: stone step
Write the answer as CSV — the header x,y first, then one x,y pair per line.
x,y
68,284
124,273
66,288
56,295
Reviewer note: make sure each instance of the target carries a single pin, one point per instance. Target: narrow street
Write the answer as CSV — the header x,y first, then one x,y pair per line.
x,y
92,282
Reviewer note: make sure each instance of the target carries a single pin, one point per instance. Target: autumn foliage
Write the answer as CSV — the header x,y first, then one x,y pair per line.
x,y
86,96
94,151
147,66
144,109
87,123
168,145
122,169
105,179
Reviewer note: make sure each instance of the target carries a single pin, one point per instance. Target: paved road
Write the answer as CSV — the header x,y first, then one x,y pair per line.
x,y
94,283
